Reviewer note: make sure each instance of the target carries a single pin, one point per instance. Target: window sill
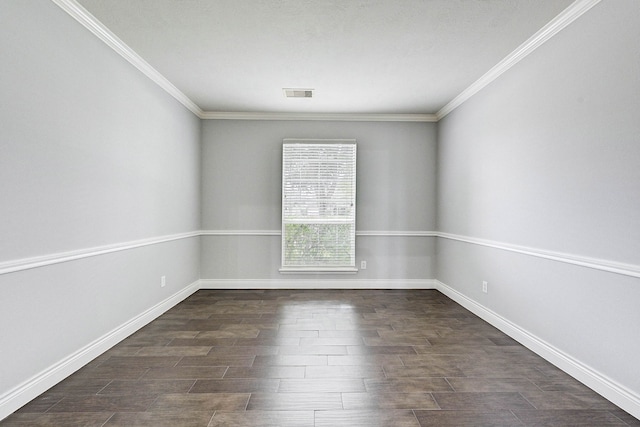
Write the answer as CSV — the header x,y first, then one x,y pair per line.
x,y
318,270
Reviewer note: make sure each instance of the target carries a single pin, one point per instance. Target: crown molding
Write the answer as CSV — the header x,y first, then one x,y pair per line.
x,y
80,14
350,117
566,17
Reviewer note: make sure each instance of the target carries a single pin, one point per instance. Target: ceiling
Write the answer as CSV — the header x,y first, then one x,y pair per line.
x,y
360,56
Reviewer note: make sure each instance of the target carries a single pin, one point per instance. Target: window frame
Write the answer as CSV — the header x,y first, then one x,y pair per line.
x,y
319,269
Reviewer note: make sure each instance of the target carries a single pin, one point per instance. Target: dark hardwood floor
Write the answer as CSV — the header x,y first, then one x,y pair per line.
x,y
319,358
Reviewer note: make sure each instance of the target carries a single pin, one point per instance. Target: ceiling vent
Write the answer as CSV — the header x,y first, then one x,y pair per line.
x,y
298,93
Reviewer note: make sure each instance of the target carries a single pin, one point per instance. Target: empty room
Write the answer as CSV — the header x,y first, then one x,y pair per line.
x,y
319,213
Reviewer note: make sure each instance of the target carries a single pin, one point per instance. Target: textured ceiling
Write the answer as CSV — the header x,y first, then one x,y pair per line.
x,y
375,56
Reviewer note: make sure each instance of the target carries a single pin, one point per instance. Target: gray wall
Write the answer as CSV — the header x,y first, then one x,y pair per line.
x,y
548,157
241,191
92,153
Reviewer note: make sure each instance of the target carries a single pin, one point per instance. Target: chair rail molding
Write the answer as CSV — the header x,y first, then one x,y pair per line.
x,y
13,266
57,258
361,233
583,261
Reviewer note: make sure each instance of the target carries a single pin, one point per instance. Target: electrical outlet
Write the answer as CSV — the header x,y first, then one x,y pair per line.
x,y
363,265
163,281
485,286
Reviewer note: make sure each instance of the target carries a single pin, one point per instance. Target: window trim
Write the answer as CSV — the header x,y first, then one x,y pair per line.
x,y
346,269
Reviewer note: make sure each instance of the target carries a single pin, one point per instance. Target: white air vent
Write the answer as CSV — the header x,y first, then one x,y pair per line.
x,y
298,93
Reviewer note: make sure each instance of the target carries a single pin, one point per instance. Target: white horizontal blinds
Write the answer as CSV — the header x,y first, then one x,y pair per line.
x,y
318,204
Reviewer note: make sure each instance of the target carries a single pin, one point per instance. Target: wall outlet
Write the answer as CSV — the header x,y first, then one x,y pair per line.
x,y
485,286
163,281
363,265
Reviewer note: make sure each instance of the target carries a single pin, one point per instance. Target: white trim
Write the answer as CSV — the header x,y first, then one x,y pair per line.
x,y
317,284
240,233
57,258
373,233
39,383
85,18
345,141
595,263
566,17
350,117
616,393
318,270
589,262
92,24
361,233
302,159
60,257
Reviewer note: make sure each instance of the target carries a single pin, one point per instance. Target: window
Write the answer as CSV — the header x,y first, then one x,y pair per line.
x,y
318,205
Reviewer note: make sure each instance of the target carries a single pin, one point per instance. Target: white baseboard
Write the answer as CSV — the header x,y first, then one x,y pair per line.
x,y
41,382
611,390
317,284
30,389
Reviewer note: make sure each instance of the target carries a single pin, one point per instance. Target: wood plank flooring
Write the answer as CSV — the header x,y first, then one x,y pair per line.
x,y
319,358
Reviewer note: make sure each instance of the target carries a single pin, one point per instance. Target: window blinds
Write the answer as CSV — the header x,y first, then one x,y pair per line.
x,y
318,205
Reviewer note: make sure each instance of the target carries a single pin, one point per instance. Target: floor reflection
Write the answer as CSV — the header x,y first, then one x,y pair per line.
x,y
332,329
318,358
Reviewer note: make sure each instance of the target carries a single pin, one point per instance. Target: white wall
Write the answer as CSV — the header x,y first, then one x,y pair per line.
x,y
241,191
547,157
92,155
